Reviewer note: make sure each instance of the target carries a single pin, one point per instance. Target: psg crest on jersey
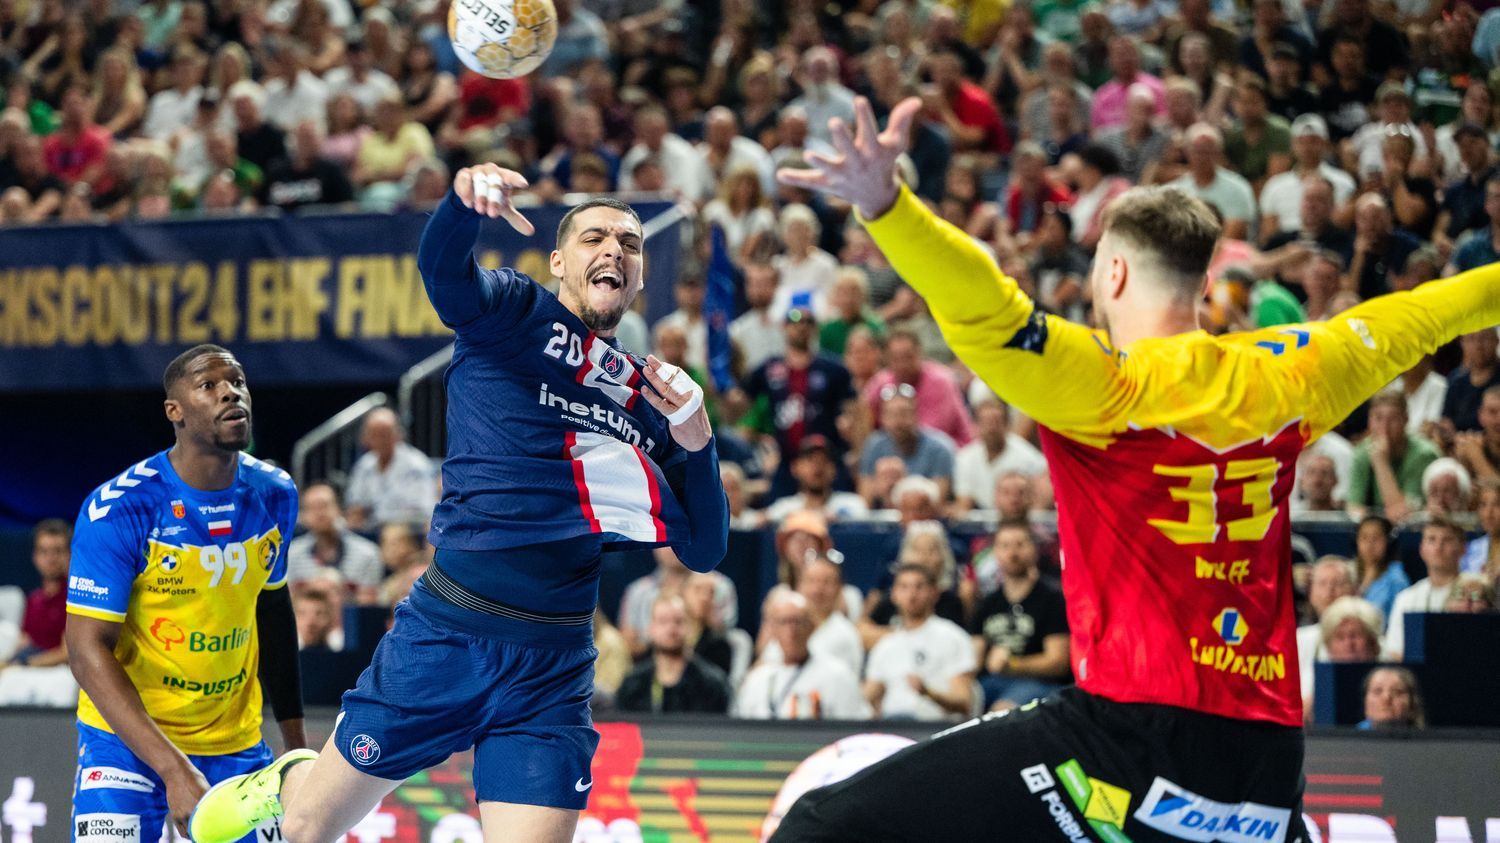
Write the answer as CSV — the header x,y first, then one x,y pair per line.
x,y
614,364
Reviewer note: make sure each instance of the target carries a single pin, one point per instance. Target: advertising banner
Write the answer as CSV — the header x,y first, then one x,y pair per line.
x,y
703,779
300,300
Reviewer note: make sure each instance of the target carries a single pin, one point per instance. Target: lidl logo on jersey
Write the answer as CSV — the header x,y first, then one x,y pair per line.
x,y
1175,810
170,634
1231,626
1104,806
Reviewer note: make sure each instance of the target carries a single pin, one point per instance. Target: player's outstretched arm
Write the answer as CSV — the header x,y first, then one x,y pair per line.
x,y
674,394
91,655
1362,349
459,290
1058,373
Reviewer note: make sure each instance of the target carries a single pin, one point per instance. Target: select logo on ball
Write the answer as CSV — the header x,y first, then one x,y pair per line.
x,y
502,39
365,750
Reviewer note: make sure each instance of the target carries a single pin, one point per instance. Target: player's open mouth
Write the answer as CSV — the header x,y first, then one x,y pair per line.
x,y
607,279
236,415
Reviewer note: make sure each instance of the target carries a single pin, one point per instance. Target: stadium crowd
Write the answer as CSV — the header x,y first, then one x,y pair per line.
x,y
1349,147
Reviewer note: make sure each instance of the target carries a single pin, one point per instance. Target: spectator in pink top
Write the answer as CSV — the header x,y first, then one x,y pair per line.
x,y
1110,99
75,152
940,406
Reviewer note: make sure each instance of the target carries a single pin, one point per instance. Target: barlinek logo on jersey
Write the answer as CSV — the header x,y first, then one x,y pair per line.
x,y
169,633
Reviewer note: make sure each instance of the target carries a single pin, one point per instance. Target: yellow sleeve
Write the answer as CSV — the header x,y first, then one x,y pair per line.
x,y
1061,374
1362,349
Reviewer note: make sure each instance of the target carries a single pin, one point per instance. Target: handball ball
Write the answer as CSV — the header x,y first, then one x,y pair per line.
x,y
502,39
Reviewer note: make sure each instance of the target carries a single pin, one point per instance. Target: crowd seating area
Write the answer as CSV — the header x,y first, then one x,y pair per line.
x,y
1348,145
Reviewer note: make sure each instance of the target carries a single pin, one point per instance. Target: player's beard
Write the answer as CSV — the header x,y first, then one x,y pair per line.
x,y
600,320
234,443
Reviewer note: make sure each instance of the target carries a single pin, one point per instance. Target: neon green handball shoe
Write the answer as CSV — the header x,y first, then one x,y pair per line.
x,y
237,806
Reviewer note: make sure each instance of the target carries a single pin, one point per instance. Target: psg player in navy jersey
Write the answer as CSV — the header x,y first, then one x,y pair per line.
x,y
560,446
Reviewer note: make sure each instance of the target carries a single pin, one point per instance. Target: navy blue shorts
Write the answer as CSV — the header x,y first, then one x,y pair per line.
x,y
118,798
432,690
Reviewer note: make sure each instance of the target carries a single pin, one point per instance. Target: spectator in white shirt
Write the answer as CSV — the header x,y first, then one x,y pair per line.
x,y
175,107
806,271
995,452
925,668
743,212
1442,548
1317,477
823,96
329,544
725,150
1332,577
815,470
360,79
296,93
688,317
687,177
802,685
759,332
392,481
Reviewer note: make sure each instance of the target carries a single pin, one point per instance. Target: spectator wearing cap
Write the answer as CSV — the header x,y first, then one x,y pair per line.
x,y
1386,47
1392,117
1031,190
1287,94
797,394
687,176
359,78
940,403
174,107
963,108
849,310
924,668
1125,65
801,684
1137,142
994,452
815,470
758,333
1443,544
1463,208
900,435
673,679
581,38
823,96
1380,247
1219,186
807,272
1281,197
1259,144
1094,175
801,539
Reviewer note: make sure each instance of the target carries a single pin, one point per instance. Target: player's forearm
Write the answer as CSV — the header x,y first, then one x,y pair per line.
x,y
280,668
707,510
445,259
100,675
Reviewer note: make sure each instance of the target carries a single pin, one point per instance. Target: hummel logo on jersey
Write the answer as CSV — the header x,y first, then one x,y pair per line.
x,y
214,510
580,786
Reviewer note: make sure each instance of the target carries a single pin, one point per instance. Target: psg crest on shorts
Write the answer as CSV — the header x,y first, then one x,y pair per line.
x,y
614,364
364,749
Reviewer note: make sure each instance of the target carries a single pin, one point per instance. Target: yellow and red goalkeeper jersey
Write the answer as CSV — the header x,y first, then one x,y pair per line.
x,y
1172,461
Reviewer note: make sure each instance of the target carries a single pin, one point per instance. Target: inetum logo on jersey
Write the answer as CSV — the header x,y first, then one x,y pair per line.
x,y
91,778
364,749
1175,810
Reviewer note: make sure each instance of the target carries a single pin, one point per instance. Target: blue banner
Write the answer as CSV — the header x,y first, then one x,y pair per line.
x,y
300,300
718,310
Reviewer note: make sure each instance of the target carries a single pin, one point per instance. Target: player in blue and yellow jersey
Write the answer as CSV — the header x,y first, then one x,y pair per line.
x,y
560,446
176,602
1172,453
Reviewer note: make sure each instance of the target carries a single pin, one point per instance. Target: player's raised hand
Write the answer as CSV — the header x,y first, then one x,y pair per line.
x,y
488,189
863,169
674,394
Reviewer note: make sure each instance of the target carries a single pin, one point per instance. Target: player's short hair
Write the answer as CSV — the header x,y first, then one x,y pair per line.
x,y
914,568
52,527
1443,522
565,227
1171,225
177,369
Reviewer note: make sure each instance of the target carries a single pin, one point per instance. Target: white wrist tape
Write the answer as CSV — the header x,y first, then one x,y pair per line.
x,y
680,382
487,187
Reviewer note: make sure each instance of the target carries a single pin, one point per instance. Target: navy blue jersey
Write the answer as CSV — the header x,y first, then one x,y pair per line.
x,y
549,436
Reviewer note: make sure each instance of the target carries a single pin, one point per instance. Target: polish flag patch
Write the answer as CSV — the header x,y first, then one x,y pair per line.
x,y
219,528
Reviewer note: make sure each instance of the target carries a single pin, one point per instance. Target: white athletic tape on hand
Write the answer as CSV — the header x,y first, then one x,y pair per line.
x,y
481,185
680,382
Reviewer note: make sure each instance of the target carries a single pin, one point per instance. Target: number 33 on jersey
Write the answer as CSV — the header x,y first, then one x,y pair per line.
x,y
182,570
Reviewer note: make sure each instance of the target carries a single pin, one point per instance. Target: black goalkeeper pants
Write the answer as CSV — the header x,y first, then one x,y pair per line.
x,y
1072,767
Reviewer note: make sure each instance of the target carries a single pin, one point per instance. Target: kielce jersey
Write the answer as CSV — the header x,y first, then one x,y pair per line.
x,y
549,436
1172,460
182,570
